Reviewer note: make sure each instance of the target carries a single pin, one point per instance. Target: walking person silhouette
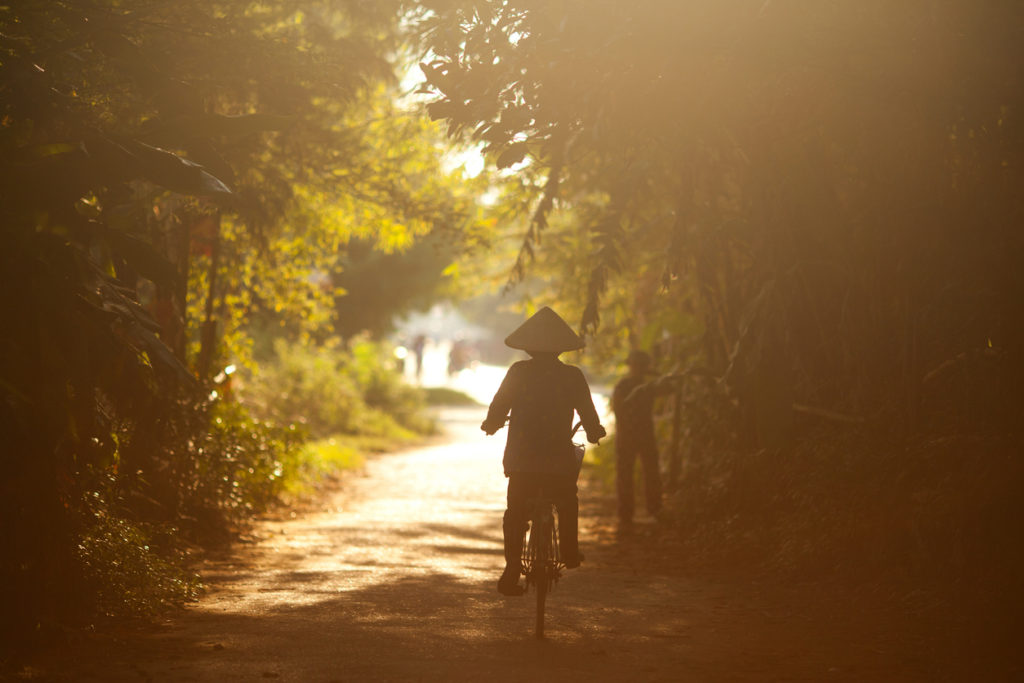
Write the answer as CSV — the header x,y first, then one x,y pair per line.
x,y
632,403
538,398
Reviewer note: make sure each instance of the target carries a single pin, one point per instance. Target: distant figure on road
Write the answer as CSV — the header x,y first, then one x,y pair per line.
x,y
458,357
541,394
418,344
632,403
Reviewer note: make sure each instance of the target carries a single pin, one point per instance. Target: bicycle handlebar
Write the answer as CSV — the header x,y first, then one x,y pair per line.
x,y
574,429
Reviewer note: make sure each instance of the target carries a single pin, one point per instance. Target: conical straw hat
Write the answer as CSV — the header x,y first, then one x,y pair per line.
x,y
545,331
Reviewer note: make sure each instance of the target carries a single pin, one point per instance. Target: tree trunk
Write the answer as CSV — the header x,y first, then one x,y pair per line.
x,y
208,333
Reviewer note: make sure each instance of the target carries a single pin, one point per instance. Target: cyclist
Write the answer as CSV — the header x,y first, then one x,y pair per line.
x,y
538,398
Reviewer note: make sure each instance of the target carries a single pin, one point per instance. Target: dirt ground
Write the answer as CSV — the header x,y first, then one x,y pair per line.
x,y
394,579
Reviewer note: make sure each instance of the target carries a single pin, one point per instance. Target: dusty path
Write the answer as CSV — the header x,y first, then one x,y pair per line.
x,y
394,580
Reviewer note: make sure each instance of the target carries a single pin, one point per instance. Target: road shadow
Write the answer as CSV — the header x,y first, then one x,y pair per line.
x,y
428,627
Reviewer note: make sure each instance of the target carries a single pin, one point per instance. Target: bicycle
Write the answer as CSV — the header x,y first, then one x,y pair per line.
x,y
541,559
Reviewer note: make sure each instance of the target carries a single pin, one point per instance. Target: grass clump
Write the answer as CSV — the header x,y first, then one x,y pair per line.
x,y
318,462
443,396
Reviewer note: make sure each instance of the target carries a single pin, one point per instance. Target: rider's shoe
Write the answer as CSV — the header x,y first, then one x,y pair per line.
x,y
508,584
572,561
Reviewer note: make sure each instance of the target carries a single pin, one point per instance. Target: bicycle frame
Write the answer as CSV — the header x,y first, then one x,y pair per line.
x,y
541,560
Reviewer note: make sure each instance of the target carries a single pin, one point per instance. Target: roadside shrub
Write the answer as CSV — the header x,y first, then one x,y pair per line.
x,y
236,467
384,389
203,467
193,467
335,389
130,568
201,470
925,509
443,396
319,462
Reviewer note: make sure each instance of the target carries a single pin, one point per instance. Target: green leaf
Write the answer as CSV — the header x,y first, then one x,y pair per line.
x,y
176,173
513,155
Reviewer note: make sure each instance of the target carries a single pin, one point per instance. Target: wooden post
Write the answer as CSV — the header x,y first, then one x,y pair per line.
x,y
208,332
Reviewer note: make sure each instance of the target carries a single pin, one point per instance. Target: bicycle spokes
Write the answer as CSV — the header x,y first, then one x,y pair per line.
x,y
542,563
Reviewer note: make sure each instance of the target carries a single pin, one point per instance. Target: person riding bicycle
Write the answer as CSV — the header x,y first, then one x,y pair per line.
x,y
538,398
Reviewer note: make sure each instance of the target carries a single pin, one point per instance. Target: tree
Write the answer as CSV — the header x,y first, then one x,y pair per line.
x,y
790,192
168,168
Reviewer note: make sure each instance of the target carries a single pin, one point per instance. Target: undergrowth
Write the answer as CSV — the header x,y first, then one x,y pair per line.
x,y
444,396
318,462
190,482
336,388
132,568
931,509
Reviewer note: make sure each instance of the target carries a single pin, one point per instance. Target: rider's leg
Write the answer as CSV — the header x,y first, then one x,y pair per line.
x,y
513,526
513,529
508,584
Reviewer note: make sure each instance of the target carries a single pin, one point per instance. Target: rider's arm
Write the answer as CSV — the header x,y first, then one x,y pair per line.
x,y
501,404
584,404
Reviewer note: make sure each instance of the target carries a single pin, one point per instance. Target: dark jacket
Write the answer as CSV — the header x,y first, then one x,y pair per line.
x,y
633,405
541,394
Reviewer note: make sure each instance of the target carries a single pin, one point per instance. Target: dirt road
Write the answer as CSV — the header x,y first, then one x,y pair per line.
x,y
394,580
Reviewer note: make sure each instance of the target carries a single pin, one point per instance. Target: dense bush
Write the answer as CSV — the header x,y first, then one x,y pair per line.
x,y
928,509
195,464
199,471
127,567
335,388
235,467
213,466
